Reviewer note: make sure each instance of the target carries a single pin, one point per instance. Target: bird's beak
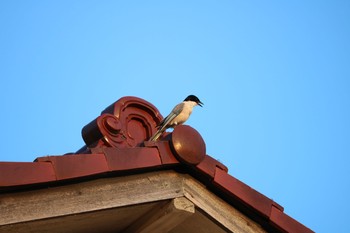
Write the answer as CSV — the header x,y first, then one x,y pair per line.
x,y
200,104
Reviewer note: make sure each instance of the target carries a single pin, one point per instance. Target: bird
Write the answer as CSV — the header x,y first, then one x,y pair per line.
x,y
180,113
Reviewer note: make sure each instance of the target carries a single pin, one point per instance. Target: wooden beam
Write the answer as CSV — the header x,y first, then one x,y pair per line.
x,y
163,218
89,196
220,211
57,203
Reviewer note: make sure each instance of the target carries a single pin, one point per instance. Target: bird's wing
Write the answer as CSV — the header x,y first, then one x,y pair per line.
x,y
165,122
176,111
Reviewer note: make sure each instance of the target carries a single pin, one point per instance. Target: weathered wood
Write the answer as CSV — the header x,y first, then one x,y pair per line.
x,y
200,222
218,209
163,218
89,196
107,221
101,203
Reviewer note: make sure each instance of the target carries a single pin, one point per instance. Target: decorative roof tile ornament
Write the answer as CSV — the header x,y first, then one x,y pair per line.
x,y
126,123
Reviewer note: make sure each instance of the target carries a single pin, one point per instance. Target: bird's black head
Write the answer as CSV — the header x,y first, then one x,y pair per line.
x,y
194,99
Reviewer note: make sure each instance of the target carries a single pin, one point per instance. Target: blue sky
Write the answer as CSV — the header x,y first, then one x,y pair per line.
x,y
274,77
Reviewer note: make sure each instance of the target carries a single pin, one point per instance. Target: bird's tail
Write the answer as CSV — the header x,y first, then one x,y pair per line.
x,y
156,135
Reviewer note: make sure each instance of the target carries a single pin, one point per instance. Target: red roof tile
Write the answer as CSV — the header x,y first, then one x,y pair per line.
x,y
14,174
131,158
112,146
166,155
209,165
285,222
73,166
244,193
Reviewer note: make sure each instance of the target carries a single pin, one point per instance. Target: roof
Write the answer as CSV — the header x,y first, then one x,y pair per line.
x,y
116,145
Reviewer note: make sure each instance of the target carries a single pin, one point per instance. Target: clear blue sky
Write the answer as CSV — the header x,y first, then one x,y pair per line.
x,y
274,77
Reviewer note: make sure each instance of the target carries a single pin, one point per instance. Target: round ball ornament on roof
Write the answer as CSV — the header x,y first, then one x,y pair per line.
x,y
188,144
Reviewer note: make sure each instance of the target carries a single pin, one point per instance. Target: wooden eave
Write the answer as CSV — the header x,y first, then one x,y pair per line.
x,y
163,201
